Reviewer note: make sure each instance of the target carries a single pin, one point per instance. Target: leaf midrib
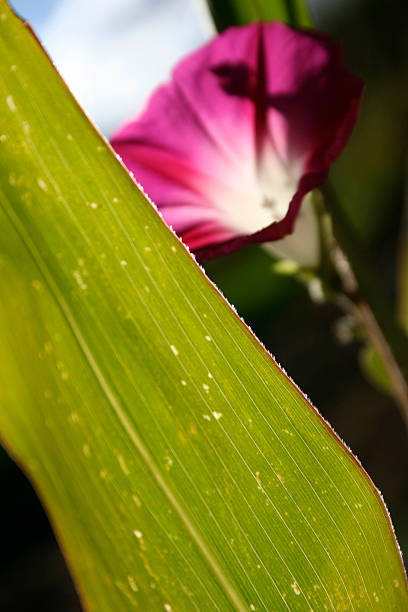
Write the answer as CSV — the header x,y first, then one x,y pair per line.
x,y
220,575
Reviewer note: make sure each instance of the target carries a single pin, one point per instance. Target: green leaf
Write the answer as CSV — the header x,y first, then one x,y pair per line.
x,y
375,370
240,12
180,466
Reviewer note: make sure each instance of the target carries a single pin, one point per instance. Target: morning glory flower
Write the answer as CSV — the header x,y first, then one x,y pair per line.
x,y
249,124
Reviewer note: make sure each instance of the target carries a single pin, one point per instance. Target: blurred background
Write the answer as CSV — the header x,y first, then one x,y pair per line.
x,y
109,56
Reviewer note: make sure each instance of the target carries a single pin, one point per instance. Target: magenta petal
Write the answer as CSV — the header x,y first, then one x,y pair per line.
x,y
247,126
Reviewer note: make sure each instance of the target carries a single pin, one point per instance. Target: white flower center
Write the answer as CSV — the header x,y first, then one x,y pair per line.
x,y
259,197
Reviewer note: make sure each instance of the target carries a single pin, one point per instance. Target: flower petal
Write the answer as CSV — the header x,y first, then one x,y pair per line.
x,y
248,125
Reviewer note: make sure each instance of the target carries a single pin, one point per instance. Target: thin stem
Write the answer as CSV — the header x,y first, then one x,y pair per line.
x,y
378,340
291,11
365,290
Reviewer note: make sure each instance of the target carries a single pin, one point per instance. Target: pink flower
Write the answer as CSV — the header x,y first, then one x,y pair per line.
x,y
248,125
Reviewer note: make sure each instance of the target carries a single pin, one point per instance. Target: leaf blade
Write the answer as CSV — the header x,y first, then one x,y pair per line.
x,y
137,319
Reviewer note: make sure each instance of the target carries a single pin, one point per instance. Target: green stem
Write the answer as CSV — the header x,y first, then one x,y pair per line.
x,y
363,287
291,12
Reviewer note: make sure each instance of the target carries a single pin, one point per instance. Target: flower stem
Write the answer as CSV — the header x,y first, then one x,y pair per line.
x,y
375,311
291,11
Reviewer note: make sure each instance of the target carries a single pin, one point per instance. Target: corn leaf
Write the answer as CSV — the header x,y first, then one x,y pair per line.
x,y
181,468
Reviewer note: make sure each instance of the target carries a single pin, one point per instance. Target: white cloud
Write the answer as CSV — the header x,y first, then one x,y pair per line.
x,y
112,53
